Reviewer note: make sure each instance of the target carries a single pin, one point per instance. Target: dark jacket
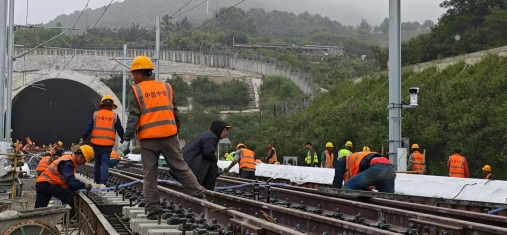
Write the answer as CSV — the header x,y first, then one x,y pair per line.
x,y
340,166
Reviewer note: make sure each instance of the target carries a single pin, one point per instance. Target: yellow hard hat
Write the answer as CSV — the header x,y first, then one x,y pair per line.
x,y
87,151
108,100
366,149
329,145
348,144
226,154
60,143
415,146
277,163
141,63
240,145
486,168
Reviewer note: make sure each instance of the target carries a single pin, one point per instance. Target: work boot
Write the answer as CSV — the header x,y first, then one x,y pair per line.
x,y
202,196
152,215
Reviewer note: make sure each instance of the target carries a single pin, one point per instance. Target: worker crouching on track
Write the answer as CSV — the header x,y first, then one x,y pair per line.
x,y
154,117
114,160
200,156
59,181
54,153
103,127
361,170
246,159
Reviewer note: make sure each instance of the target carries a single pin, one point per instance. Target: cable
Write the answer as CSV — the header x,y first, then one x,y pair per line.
x,y
194,7
180,9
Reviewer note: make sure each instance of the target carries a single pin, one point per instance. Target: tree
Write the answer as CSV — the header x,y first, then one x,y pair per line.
x,y
364,25
384,26
427,24
184,25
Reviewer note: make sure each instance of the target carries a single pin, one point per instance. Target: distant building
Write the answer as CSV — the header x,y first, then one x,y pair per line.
x,y
306,49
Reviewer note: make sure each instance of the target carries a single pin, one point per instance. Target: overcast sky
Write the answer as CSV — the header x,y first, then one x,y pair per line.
x,y
42,11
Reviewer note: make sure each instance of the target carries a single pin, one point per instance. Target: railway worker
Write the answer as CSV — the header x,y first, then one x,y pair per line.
x,y
360,170
114,160
366,149
153,116
200,156
311,158
415,160
327,157
43,163
246,159
458,166
271,158
59,181
345,151
486,170
103,127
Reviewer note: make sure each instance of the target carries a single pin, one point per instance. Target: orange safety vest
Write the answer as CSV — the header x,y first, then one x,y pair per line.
x,y
487,176
329,159
274,158
155,101
247,159
103,132
418,157
51,174
353,162
457,166
43,164
115,155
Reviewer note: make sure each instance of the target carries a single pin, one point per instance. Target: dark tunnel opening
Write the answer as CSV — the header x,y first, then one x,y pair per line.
x,y
58,109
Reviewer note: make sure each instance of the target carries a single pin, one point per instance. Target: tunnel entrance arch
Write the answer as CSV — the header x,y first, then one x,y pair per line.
x,y
57,109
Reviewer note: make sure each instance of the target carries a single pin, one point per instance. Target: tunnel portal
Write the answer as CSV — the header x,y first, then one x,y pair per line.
x,y
52,110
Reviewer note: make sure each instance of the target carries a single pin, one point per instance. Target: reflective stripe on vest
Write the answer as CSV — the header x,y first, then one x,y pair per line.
x,y
43,164
51,174
103,132
308,158
329,159
274,158
457,166
343,153
247,159
487,176
155,101
418,157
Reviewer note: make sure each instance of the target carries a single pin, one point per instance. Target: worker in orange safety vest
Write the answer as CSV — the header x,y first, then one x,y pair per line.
x,y
361,170
246,159
458,166
486,170
103,127
272,157
327,157
415,160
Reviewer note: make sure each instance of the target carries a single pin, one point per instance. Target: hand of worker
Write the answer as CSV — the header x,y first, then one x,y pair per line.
x,y
226,170
89,187
81,142
125,146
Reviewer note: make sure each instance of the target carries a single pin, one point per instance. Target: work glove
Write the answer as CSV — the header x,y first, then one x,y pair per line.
x,y
226,170
81,142
125,146
88,187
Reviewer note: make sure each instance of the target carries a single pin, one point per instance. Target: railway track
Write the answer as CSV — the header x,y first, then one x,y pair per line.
x,y
312,213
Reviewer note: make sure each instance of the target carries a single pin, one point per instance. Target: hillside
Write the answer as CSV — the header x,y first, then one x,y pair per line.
x,y
460,107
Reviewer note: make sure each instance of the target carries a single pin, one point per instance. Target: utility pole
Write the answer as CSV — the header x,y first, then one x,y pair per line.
x,y
4,9
395,104
124,87
157,49
207,7
10,67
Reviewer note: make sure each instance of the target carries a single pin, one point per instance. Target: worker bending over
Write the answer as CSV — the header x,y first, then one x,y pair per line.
x,y
153,116
361,170
327,157
59,181
458,166
415,160
54,153
103,127
246,159
486,170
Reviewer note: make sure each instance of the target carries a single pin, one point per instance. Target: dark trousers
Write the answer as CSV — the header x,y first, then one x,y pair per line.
x,y
247,174
46,190
101,164
207,175
113,162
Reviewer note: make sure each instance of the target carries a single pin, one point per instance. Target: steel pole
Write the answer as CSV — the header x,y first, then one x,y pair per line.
x,y
395,104
157,49
10,67
4,11
124,87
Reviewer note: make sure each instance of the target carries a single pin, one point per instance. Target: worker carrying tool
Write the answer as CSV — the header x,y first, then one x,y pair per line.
x,y
153,116
311,158
361,170
103,127
59,181
345,151
200,156
458,166
486,170
327,157
415,160
246,159
272,157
